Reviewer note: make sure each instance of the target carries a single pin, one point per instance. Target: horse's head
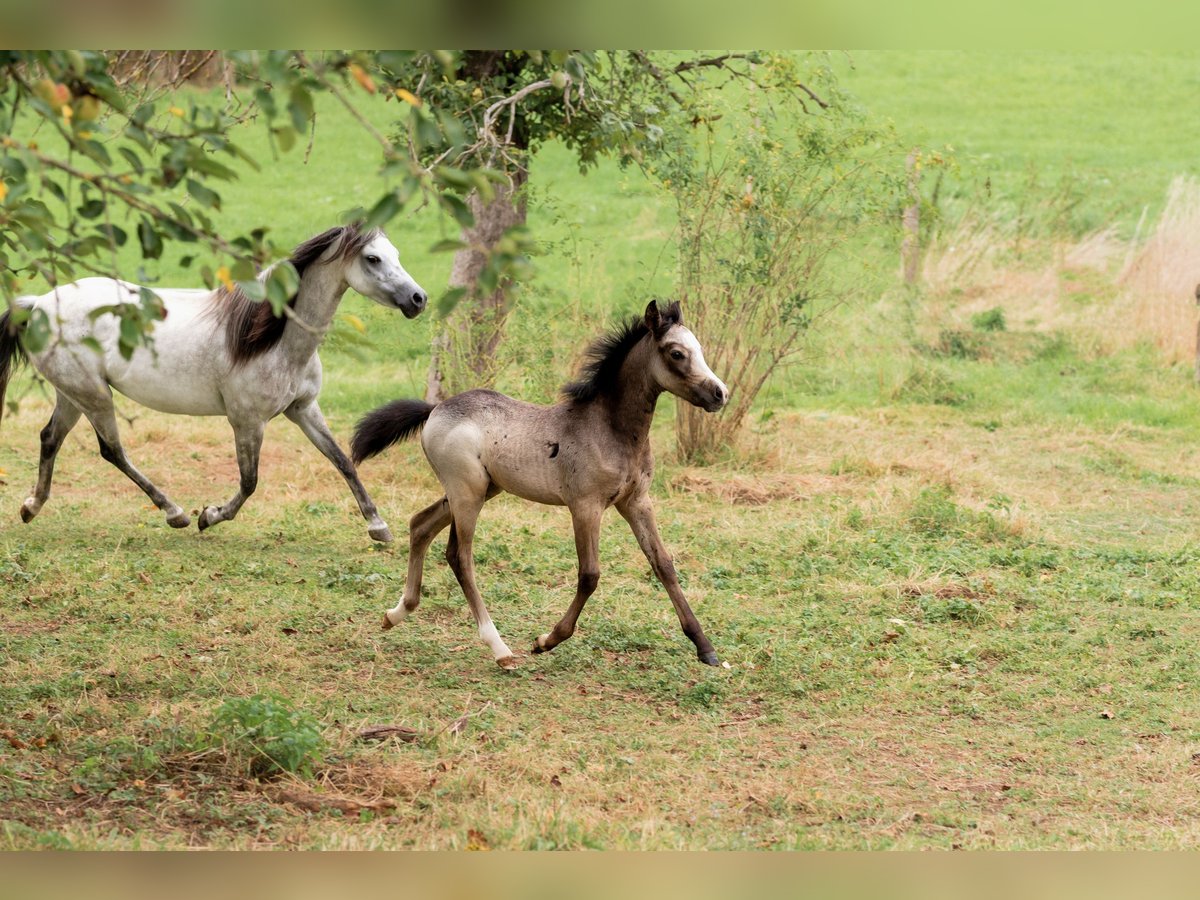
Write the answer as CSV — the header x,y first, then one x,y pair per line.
x,y
678,362
374,271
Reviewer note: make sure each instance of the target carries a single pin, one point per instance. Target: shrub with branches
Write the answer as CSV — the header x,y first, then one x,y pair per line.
x,y
761,214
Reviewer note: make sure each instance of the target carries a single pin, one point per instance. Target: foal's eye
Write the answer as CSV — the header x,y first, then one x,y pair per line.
x,y
677,354
373,259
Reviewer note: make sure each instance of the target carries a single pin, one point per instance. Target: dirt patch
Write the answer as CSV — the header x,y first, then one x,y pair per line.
x,y
756,490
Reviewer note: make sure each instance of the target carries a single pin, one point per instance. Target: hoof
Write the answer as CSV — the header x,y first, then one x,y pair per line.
x,y
388,625
539,646
709,658
383,534
179,520
27,514
207,518
507,662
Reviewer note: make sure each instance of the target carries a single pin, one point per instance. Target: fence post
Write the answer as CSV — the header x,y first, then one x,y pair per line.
x,y
910,247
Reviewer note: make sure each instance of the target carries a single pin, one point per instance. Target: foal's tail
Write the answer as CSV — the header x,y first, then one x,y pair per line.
x,y
10,351
391,423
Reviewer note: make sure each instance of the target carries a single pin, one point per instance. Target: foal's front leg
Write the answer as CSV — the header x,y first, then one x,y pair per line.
x,y
638,512
247,442
307,415
587,547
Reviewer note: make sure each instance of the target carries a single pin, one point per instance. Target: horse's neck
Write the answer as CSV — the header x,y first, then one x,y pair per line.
x,y
317,299
631,409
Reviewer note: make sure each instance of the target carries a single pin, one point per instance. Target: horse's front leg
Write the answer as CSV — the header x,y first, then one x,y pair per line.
x,y
638,512
586,521
248,442
308,416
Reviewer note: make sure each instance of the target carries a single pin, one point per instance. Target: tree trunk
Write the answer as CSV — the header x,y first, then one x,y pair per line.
x,y
464,350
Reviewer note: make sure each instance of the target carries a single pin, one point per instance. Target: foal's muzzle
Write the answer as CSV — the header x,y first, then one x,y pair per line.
x,y
712,396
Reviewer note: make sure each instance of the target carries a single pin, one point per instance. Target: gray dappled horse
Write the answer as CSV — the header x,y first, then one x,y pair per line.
x,y
216,353
588,452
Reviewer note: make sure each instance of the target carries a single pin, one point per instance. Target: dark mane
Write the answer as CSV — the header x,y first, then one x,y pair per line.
x,y
251,326
602,362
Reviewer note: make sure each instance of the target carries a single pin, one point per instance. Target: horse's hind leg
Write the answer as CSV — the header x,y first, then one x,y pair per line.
x,y
422,529
247,439
587,547
104,421
62,420
310,420
464,511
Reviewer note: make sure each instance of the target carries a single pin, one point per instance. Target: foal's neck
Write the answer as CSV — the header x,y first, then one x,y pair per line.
x,y
321,290
630,409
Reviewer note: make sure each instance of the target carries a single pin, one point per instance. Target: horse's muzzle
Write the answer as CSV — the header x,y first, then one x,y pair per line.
x,y
411,304
712,397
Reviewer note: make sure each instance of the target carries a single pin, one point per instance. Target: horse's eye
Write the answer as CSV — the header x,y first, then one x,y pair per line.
x,y
677,354
373,259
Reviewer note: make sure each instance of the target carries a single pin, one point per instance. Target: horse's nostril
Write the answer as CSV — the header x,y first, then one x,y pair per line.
x,y
419,300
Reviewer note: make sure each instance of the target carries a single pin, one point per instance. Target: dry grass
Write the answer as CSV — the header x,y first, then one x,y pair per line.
x,y
1159,281
1120,292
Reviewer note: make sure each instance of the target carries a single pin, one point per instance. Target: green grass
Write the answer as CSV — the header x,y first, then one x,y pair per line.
x,y
953,569
1102,129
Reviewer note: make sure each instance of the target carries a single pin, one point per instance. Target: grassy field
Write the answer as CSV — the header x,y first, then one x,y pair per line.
x,y
953,568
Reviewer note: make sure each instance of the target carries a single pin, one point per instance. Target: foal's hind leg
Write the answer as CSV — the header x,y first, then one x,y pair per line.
x,y
247,439
312,423
63,419
459,553
422,529
587,545
104,420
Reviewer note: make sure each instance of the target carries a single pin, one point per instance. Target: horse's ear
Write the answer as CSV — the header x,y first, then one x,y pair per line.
x,y
674,313
653,319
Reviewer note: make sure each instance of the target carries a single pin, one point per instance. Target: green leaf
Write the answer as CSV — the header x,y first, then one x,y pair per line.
x,y
253,289
92,209
447,244
242,270
114,234
383,211
286,136
204,195
454,178
300,107
134,160
457,208
37,331
449,300
151,241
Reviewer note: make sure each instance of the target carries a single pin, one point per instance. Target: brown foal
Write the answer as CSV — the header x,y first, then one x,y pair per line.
x,y
588,452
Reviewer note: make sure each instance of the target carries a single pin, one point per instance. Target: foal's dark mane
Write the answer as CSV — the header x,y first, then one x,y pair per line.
x,y
251,326
600,375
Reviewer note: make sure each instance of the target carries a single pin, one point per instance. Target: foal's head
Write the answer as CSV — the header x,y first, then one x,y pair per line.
x,y
373,269
677,363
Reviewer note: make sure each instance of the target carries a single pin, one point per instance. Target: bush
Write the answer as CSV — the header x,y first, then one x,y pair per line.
x,y
763,215
268,734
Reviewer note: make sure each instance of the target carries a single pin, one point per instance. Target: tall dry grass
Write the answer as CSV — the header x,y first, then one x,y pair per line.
x,y
1119,292
1158,281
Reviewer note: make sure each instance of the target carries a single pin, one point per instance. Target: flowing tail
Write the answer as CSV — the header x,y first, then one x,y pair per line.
x,y
391,423
10,350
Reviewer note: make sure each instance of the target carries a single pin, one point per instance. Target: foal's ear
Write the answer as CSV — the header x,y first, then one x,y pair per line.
x,y
654,321
659,320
